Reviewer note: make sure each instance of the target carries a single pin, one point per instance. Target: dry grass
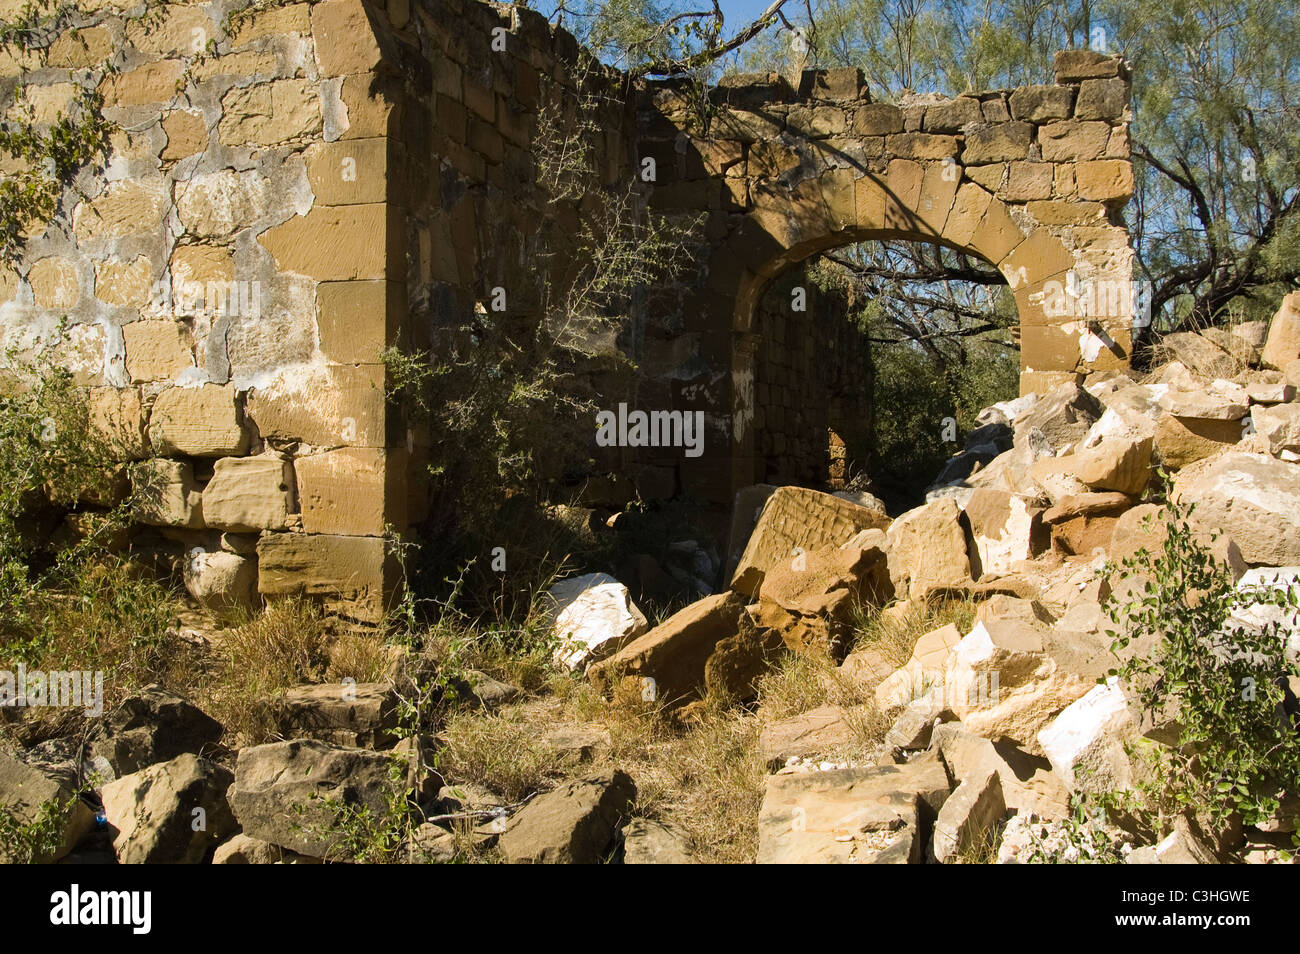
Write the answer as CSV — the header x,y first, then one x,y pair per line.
x,y
116,621
284,646
499,752
892,631
360,657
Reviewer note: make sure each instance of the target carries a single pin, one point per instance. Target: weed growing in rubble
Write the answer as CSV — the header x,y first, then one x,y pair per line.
x,y
1197,665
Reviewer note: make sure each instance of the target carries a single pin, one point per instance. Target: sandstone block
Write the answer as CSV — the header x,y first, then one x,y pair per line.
x,y
795,518
249,493
201,422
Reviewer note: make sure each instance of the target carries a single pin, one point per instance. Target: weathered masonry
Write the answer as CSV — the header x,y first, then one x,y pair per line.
x,y
341,177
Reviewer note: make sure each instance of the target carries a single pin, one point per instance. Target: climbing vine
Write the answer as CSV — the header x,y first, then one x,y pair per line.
x,y
45,158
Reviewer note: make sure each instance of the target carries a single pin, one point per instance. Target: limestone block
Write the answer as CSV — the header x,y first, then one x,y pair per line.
x,y
1105,180
219,204
54,283
346,39
1038,104
124,208
335,406
877,119
151,83
1101,99
793,519
124,283
267,114
1073,139
116,415
927,549
347,572
359,320
338,243
348,172
187,134
996,142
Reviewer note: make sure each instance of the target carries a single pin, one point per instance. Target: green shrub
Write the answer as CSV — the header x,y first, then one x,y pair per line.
x,y
1218,683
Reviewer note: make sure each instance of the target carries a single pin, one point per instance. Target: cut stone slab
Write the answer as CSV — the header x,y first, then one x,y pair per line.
x,y
206,421
574,824
170,813
674,653
1184,440
819,731
166,493
248,494
798,519
847,816
650,842
968,817
357,714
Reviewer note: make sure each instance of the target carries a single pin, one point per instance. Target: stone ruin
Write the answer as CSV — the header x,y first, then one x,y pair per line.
x,y
344,176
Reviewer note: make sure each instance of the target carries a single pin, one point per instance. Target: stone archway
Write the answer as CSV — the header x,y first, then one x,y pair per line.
x,y
1030,180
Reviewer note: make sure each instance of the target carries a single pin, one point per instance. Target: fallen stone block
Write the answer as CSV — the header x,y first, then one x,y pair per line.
x,y
1085,743
809,599
151,726
30,794
169,813
293,794
797,519
927,550
673,655
353,714
968,818
1253,498
593,616
573,824
849,815
650,842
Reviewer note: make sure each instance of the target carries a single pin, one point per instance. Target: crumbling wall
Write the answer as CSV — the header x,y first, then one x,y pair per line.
x,y
290,191
294,190
1031,180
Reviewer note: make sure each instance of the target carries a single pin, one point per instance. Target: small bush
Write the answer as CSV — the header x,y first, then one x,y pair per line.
x,y
1219,684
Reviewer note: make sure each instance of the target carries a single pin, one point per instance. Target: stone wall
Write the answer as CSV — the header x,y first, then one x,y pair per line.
x,y
297,187
812,386
1031,180
290,192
